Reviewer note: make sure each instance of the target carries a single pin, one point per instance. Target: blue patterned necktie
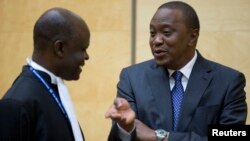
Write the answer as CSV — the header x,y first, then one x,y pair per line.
x,y
177,95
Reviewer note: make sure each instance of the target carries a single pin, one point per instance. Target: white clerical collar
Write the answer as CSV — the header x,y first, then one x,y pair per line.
x,y
40,68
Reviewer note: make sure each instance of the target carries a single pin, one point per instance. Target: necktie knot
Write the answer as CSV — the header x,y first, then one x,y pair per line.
x,y
177,75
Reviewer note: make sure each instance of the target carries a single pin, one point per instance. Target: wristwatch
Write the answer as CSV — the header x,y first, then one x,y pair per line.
x,y
160,134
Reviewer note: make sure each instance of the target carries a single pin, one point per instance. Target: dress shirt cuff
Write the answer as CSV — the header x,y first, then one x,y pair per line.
x,y
124,135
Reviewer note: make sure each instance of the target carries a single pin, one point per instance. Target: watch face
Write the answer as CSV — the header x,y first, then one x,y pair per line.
x,y
160,133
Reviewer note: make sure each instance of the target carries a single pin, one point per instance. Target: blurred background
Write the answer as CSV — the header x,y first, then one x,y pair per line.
x,y
119,38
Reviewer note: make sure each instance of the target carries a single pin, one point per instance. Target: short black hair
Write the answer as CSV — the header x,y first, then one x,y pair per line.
x,y
188,12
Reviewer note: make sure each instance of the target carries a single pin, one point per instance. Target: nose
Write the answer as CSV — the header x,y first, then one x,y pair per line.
x,y
86,56
158,40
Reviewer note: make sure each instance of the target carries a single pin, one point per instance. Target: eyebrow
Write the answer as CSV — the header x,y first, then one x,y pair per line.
x,y
164,24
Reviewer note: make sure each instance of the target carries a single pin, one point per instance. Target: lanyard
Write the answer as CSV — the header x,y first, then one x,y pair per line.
x,y
51,91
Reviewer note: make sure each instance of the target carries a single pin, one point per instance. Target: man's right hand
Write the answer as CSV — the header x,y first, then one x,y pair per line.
x,y
121,112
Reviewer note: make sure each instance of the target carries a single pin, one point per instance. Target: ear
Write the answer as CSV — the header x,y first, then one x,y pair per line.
x,y
194,34
59,48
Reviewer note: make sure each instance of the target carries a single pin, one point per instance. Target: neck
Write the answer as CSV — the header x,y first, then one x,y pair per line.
x,y
43,62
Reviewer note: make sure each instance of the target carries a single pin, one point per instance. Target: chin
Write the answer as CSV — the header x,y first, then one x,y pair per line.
x,y
76,78
161,62
165,63
76,75
72,78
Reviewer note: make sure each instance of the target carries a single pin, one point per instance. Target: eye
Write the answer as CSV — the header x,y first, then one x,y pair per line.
x,y
152,33
167,33
84,48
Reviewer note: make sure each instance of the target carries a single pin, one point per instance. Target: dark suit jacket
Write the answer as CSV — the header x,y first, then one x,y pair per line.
x,y
33,113
214,95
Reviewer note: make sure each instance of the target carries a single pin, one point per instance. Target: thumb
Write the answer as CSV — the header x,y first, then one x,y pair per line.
x,y
118,102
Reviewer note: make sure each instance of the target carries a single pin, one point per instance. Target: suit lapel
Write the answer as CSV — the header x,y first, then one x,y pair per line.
x,y
159,83
197,83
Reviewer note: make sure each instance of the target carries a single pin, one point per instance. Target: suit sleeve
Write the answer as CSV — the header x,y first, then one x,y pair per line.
x,y
114,134
124,90
14,121
235,107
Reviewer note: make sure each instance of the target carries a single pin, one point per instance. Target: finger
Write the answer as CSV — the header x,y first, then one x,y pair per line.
x,y
107,115
121,103
115,116
118,102
111,109
111,114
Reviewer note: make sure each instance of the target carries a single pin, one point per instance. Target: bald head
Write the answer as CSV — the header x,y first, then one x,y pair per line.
x,y
54,24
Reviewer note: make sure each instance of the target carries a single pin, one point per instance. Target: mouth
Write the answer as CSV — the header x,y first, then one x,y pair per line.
x,y
80,68
159,53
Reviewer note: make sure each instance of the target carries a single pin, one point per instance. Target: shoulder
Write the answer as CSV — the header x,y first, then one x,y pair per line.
x,y
223,69
220,71
25,88
138,69
141,66
214,67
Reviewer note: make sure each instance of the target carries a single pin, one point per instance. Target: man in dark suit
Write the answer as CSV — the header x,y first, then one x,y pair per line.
x,y
179,93
38,107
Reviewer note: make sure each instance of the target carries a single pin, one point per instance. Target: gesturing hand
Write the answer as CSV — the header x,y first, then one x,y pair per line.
x,y
121,112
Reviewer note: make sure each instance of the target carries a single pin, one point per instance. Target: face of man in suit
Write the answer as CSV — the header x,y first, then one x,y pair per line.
x,y
172,42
